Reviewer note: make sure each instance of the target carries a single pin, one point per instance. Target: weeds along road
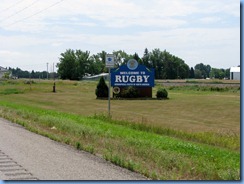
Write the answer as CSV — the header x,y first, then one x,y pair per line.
x,y
28,156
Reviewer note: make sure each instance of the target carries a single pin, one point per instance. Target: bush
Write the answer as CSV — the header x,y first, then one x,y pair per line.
x,y
102,89
29,82
130,92
162,93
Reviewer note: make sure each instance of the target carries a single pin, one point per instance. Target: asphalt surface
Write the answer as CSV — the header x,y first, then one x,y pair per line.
x,y
28,156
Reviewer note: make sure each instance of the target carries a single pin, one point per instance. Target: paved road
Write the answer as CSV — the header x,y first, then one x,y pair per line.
x,y
28,156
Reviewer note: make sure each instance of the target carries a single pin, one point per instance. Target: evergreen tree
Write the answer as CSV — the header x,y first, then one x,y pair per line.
x,y
192,74
145,59
137,58
102,89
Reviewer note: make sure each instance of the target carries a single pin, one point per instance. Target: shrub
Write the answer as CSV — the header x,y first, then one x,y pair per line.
x,y
29,82
11,91
162,93
102,89
130,92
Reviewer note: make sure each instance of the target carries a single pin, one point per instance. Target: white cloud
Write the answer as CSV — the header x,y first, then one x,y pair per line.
x,y
119,13
213,19
8,54
9,58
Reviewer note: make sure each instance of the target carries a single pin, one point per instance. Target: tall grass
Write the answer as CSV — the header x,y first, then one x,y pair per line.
x,y
230,140
206,88
10,91
158,155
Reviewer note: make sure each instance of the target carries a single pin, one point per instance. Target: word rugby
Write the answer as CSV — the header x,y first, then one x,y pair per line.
x,y
131,79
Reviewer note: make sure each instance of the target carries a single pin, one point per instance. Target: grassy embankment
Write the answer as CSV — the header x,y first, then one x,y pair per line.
x,y
194,135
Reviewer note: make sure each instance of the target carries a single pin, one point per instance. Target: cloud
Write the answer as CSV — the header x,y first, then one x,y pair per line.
x,y
207,20
110,13
7,54
8,57
56,44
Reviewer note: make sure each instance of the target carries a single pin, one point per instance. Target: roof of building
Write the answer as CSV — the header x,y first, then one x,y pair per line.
x,y
3,69
96,76
235,69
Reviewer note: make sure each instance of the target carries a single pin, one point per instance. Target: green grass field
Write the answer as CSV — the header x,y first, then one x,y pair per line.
x,y
193,135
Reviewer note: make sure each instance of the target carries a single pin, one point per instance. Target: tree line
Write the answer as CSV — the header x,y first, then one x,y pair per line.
x,y
75,64
18,73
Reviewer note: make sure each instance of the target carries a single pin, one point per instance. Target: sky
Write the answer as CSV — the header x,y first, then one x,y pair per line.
x,y
35,32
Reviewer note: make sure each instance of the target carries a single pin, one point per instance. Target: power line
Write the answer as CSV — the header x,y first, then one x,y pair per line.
x,y
11,6
39,12
18,12
31,65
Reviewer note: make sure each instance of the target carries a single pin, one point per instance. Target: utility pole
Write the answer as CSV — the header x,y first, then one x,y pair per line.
x,y
53,72
30,80
47,71
54,85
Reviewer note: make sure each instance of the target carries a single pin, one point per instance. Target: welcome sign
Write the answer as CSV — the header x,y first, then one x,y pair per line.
x,y
132,74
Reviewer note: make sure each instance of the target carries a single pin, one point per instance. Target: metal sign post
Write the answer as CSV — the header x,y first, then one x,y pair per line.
x,y
109,65
109,86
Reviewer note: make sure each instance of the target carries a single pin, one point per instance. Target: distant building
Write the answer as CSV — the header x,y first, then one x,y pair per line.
x,y
96,77
235,73
3,71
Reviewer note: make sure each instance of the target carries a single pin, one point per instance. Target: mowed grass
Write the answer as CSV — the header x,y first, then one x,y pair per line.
x,y
193,135
194,111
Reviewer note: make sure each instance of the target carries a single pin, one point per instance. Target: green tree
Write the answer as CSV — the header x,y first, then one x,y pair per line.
x,y
96,65
205,70
198,74
157,58
101,57
137,58
192,74
67,65
182,69
102,89
168,66
227,73
217,73
121,57
146,59
82,63
74,65
32,75
6,75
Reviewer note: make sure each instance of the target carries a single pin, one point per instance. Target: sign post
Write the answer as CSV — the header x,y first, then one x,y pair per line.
x,y
109,86
109,65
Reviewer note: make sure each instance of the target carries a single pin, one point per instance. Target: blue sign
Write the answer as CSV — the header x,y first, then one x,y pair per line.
x,y
132,74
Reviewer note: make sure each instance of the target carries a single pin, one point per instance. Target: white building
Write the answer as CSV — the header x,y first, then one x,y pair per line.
x,y
3,71
235,73
96,77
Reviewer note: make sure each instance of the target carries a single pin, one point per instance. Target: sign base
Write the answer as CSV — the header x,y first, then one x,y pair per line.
x,y
143,92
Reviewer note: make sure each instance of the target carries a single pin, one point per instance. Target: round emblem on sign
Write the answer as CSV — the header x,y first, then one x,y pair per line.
x,y
116,90
132,64
109,59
